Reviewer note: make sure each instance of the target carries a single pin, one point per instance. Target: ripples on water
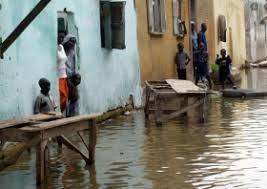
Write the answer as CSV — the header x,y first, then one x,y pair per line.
x,y
228,151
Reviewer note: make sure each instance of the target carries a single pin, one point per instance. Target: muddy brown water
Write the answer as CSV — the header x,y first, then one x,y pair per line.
x,y
228,151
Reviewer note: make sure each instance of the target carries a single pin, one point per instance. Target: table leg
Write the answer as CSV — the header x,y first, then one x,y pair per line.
x,y
40,161
92,140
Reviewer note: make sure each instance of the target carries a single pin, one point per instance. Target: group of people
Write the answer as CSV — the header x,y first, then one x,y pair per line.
x,y
201,59
68,80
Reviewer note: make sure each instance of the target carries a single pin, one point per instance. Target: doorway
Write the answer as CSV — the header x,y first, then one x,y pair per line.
x,y
68,82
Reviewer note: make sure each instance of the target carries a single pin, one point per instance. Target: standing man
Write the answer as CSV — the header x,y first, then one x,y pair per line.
x,y
69,47
74,78
194,37
202,59
202,36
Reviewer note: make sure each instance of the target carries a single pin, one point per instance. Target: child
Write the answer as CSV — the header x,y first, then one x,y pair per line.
x,y
73,105
181,60
44,102
224,68
202,58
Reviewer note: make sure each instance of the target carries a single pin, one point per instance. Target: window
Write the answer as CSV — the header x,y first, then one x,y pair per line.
x,y
112,24
178,25
222,28
156,16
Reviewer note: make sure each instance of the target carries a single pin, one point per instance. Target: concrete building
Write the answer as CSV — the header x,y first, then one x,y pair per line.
x,y
256,29
109,73
159,30
226,27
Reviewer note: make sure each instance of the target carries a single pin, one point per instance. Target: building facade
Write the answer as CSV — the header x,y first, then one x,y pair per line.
x,y
256,29
226,27
109,70
159,31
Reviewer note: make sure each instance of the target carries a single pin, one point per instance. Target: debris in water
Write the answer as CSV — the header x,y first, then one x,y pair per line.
x,y
127,113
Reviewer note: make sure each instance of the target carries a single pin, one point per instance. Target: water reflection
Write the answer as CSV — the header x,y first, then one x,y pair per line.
x,y
254,79
229,150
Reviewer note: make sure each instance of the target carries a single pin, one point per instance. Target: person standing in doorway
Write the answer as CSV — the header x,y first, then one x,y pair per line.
x,y
69,47
181,60
62,74
74,78
202,36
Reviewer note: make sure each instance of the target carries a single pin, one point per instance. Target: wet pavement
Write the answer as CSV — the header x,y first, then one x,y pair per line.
x,y
229,150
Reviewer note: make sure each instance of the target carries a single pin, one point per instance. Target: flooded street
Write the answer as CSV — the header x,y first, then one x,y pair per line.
x,y
229,150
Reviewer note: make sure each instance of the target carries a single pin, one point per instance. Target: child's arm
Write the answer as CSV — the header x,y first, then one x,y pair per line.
x,y
217,61
187,59
53,102
37,105
229,59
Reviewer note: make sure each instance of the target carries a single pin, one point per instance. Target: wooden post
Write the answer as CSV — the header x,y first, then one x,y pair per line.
x,y
46,154
40,161
184,103
74,148
157,110
92,140
147,102
201,110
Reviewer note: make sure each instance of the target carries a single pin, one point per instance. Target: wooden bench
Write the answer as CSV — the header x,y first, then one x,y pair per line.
x,y
36,131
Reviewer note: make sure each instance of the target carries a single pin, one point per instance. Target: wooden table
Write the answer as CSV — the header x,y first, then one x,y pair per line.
x,y
36,131
166,104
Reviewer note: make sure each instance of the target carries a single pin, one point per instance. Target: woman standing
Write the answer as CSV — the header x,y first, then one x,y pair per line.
x,y
62,75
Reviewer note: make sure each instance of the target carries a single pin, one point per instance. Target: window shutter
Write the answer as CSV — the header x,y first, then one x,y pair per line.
x,y
178,27
222,28
156,15
106,32
175,6
118,24
162,16
150,15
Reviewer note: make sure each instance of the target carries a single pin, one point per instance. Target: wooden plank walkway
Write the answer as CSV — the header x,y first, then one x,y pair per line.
x,y
166,104
36,131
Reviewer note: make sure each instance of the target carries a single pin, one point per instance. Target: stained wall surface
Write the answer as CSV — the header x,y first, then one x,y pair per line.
x,y
256,31
157,52
208,11
108,76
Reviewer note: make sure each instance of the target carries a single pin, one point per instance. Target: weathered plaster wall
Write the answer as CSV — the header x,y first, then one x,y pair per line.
x,y
157,52
205,13
108,76
235,17
256,42
209,11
